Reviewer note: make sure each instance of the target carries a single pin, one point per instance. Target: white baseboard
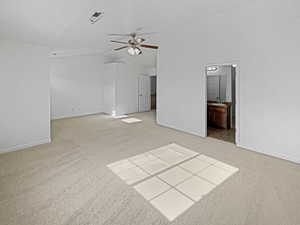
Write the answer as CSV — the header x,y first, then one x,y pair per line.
x,y
28,145
180,129
75,115
273,154
279,155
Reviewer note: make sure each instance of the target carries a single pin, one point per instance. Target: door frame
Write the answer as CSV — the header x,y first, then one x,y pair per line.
x,y
237,97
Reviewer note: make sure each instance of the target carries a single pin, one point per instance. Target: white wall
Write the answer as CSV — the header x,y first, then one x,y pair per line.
x,y
76,85
84,84
120,89
109,88
144,64
261,37
24,95
126,90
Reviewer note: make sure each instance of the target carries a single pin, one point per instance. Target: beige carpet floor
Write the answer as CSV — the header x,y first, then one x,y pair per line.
x,y
67,181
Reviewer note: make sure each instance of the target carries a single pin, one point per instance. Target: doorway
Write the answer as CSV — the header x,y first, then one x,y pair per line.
x,y
147,82
153,82
222,102
147,93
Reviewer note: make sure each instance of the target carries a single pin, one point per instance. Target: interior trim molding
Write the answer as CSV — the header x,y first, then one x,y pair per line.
x,y
75,52
276,155
28,145
198,134
76,115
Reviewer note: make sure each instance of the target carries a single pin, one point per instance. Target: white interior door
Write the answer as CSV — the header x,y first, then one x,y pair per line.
x,y
144,94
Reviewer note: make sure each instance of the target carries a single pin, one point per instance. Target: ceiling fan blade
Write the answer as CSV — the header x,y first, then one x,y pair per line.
x,y
120,42
124,35
145,33
117,49
149,46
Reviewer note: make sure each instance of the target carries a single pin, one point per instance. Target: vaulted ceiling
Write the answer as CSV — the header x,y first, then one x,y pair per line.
x,y
63,24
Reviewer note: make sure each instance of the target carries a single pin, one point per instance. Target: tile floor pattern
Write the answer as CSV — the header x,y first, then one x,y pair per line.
x,y
131,120
172,178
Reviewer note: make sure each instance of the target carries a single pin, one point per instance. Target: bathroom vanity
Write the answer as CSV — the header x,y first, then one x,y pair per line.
x,y
218,114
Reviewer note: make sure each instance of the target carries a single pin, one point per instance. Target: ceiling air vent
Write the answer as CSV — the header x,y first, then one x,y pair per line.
x,y
95,17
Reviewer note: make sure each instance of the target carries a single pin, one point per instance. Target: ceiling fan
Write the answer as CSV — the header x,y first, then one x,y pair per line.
x,y
134,44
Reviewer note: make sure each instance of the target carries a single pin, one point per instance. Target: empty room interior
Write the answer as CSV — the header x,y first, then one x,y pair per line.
x,y
149,112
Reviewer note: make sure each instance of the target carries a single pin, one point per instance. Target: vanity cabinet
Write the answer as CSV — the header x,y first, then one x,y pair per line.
x,y
218,115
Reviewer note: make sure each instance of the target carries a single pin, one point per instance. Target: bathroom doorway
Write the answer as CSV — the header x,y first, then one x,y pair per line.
x,y
153,82
222,102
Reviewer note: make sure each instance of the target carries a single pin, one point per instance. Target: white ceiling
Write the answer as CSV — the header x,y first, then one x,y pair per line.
x,y
63,24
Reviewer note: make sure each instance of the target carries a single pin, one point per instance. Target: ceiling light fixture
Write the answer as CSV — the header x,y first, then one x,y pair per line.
x,y
134,51
140,40
95,17
131,51
212,68
138,51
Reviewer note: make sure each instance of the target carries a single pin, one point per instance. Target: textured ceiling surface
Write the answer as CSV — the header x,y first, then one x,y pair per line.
x,y
63,24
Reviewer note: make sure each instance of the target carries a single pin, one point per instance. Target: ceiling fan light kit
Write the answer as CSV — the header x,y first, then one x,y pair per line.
x,y
134,51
